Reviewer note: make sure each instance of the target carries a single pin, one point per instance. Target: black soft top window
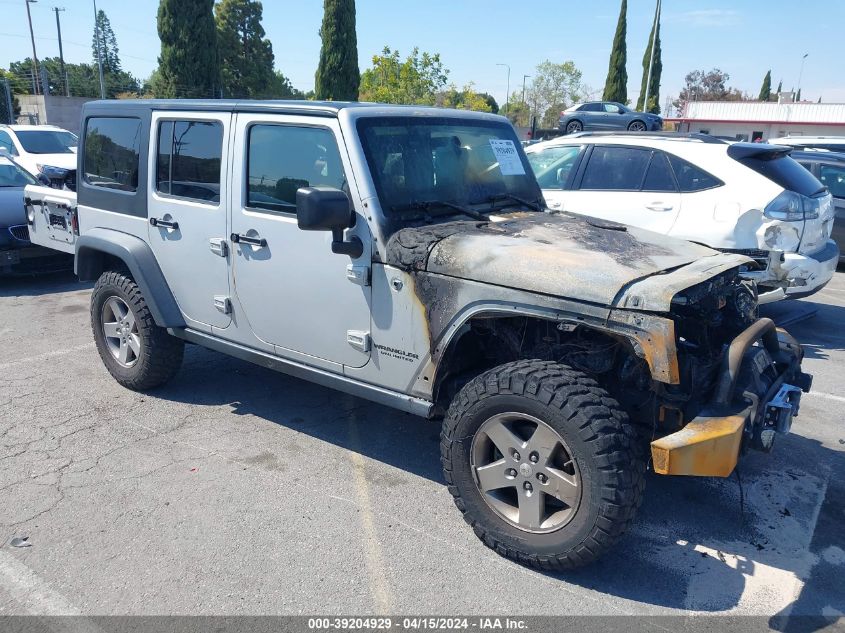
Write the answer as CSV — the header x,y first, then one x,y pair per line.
x,y
112,149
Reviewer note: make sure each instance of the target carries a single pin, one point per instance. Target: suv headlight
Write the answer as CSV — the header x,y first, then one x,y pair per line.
x,y
53,173
792,207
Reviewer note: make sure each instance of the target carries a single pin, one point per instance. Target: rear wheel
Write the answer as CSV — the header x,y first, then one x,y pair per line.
x,y
542,462
574,126
637,126
137,353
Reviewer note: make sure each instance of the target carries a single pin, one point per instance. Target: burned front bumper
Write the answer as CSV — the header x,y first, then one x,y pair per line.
x,y
757,395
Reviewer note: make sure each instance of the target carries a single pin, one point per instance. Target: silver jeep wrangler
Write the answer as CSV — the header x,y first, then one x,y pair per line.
x,y
405,255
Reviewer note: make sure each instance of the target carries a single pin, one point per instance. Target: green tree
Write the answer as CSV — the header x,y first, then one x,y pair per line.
x,y
491,101
553,88
83,79
281,88
653,104
465,99
108,44
780,86
709,85
616,85
766,88
246,55
338,77
517,110
416,80
189,64
798,96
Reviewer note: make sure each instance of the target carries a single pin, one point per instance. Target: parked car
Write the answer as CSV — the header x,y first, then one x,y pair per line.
x,y
830,143
748,198
43,149
829,168
403,254
607,115
17,254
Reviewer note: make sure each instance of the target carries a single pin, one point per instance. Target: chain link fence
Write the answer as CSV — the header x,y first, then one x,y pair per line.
x,y
7,110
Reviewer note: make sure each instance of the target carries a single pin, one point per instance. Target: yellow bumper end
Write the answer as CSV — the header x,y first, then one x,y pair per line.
x,y
707,447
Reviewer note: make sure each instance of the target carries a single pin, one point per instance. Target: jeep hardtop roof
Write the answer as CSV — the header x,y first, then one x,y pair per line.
x,y
329,109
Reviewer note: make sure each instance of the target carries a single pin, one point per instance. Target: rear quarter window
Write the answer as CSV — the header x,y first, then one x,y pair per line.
x,y
691,178
784,171
112,149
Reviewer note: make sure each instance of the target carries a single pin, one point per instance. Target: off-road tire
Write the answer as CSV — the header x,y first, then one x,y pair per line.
x,y
610,452
160,354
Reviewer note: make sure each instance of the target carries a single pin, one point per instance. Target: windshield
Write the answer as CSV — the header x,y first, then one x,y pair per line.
x,y
13,176
47,141
464,162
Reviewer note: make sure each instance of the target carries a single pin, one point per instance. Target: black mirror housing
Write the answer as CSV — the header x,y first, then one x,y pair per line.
x,y
323,209
328,209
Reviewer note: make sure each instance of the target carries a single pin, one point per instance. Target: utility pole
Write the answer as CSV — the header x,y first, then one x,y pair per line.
x,y
651,59
34,56
99,54
61,52
524,77
801,73
508,98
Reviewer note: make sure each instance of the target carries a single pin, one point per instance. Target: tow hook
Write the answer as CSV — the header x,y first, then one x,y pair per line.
x,y
779,413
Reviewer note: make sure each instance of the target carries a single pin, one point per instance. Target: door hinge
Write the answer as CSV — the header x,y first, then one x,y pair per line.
x,y
358,339
359,275
223,303
219,246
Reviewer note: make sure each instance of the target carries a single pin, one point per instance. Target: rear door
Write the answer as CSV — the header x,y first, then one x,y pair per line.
x,y
188,211
631,185
832,176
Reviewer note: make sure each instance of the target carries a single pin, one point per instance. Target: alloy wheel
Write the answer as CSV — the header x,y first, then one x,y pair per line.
x,y
525,472
121,331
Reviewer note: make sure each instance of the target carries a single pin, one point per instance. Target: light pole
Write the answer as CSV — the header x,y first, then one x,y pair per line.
x,y
34,56
524,77
61,53
651,59
801,72
99,54
508,97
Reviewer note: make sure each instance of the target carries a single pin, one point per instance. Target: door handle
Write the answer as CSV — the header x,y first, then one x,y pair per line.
x,y
172,226
659,206
260,242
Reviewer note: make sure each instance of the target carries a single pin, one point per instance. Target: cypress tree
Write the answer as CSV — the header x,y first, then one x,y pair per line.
x,y
653,104
189,65
616,85
780,86
766,89
337,75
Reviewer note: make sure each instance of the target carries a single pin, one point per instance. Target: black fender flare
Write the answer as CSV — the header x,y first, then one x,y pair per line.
x,y
139,259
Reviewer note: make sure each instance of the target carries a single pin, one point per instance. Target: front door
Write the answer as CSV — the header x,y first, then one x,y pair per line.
x,y
187,207
297,295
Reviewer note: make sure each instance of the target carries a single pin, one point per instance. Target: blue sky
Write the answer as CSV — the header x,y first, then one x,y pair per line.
x,y
742,37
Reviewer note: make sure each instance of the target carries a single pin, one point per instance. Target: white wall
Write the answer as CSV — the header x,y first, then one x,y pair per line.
x,y
64,112
770,130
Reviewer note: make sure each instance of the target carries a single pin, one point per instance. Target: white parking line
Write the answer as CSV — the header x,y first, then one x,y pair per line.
x,y
46,355
826,396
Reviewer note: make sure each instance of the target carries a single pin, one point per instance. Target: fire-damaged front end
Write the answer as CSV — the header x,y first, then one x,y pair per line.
x,y
739,379
669,328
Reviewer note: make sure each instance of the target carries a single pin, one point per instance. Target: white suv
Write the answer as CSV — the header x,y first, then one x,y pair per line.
x,y
41,149
747,198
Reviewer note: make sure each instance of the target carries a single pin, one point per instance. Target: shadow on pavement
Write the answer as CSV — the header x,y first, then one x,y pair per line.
x,y
38,285
816,325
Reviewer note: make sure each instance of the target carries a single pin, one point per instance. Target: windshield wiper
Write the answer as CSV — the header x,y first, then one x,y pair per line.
x,y
428,205
509,196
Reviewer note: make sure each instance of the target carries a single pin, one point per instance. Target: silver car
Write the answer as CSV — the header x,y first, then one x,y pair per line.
x,y
607,115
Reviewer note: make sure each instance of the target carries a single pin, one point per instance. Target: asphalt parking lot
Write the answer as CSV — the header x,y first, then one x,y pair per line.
x,y
236,490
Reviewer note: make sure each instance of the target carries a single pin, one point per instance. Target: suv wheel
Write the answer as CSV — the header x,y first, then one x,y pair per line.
x,y
637,126
543,463
574,126
138,354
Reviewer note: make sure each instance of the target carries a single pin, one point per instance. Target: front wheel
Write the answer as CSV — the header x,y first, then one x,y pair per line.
x,y
574,126
138,354
637,126
543,463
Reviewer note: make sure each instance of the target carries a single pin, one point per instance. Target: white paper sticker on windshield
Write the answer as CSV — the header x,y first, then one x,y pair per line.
x,y
508,157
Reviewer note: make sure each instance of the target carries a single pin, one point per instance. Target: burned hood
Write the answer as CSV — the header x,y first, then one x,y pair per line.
x,y
554,254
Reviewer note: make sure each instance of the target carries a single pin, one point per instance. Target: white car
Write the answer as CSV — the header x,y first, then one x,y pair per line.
x,y
41,149
747,198
830,143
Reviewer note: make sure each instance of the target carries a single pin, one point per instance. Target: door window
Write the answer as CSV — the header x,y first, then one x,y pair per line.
x,y
6,144
591,107
189,159
659,175
611,108
616,169
282,159
112,146
553,165
833,177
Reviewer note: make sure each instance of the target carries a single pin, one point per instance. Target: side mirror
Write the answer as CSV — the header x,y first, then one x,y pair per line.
x,y
328,209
